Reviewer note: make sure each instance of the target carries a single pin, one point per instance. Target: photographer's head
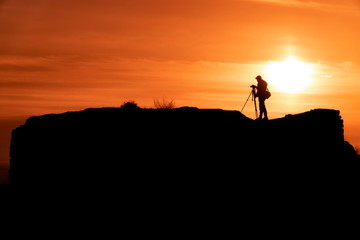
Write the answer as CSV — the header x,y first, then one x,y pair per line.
x,y
258,77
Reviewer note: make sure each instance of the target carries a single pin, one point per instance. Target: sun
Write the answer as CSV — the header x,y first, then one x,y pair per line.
x,y
290,75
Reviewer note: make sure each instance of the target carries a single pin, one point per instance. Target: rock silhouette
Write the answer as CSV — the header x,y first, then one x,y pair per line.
x,y
123,145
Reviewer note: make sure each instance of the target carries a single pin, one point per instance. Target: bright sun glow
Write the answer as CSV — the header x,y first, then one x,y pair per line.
x,y
290,76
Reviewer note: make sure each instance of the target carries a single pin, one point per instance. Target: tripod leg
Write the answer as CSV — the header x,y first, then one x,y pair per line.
x,y
256,113
254,99
246,102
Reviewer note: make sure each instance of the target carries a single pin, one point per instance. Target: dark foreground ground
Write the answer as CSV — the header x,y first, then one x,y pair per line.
x,y
148,146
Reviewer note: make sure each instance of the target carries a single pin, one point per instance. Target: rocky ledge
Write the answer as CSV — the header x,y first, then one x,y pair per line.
x,y
123,145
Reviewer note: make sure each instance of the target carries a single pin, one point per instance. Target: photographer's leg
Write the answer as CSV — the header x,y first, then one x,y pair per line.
x,y
262,106
265,112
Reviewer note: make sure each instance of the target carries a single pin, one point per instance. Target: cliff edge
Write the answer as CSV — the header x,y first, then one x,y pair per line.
x,y
119,145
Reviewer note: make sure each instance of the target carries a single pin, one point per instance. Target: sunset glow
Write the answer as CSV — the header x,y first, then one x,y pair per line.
x,y
290,75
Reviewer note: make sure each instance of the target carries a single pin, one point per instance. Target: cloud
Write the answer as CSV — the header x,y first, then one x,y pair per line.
x,y
297,3
23,68
22,65
184,30
340,6
1,4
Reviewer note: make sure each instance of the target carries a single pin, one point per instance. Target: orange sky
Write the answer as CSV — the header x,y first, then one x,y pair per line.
x,y
58,55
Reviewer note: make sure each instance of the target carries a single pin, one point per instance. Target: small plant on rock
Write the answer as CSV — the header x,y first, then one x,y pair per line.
x,y
130,105
164,104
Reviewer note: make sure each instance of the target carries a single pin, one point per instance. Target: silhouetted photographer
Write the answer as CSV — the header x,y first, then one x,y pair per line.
x,y
262,93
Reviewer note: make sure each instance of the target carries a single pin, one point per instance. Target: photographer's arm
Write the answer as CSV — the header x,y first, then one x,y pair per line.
x,y
253,90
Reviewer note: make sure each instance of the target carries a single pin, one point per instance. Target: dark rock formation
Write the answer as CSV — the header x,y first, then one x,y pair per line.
x,y
124,145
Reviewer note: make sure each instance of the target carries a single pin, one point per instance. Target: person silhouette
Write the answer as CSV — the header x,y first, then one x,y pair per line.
x,y
261,93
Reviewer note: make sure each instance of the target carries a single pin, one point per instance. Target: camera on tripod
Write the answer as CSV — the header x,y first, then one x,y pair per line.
x,y
253,96
253,91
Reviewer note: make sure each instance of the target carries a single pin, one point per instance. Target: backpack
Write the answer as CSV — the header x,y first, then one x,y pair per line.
x,y
267,94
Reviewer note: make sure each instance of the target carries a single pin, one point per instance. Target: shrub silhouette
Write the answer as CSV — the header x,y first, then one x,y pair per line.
x,y
130,105
164,104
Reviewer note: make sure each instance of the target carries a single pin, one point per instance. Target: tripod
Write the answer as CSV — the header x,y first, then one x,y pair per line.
x,y
253,98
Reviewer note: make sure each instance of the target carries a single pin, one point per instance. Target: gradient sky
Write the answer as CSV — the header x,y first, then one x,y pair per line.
x,y
61,55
